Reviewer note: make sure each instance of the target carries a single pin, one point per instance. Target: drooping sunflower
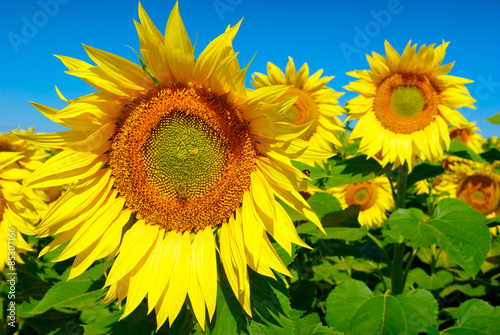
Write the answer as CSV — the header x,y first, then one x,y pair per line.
x,y
19,211
405,103
469,136
374,196
177,154
475,183
316,105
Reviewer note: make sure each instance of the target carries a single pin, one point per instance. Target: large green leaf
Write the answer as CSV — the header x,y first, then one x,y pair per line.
x,y
459,149
494,119
353,309
270,305
81,292
455,227
476,317
354,170
323,203
435,281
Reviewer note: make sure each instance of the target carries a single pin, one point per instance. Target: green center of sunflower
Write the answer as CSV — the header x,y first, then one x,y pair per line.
x,y
407,101
478,196
184,155
361,195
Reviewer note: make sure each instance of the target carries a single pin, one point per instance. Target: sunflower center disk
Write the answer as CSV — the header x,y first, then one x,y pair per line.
x,y
363,194
182,158
481,192
303,111
406,103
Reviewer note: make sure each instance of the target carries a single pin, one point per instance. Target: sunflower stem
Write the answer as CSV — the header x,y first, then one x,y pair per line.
x,y
402,184
398,274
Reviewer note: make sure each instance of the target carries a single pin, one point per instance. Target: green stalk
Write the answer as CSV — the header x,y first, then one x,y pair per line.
x,y
398,277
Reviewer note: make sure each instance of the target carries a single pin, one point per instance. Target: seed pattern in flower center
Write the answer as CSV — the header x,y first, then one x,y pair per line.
x,y
182,158
363,194
406,103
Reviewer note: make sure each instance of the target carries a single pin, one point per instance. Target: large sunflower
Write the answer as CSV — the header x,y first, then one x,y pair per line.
x,y
176,154
469,136
374,196
316,105
19,211
475,183
405,103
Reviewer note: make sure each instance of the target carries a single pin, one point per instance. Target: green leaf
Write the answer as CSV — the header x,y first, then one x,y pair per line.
x,y
455,227
341,225
270,306
459,149
466,289
495,119
407,222
353,309
303,327
80,292
323,203
354,170
229,317
435,281
476,317
491,155
314,171
424,171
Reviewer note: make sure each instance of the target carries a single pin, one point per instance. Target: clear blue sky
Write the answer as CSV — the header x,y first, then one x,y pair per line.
x,y
330,35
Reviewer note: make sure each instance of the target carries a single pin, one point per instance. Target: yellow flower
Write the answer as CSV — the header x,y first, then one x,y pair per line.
x,y
468,135
172,154
374,196
405,103
19,211
475,183
316,105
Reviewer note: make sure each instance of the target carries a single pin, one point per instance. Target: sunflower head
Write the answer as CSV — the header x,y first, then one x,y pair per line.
x,y
469,136
20,209
405,103
475,183
315,106
373,196
163,160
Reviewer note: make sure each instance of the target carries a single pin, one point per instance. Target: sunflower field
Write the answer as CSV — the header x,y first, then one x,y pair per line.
x,y
182,201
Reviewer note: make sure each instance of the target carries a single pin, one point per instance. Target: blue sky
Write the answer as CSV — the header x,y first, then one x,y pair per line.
x,y
330,35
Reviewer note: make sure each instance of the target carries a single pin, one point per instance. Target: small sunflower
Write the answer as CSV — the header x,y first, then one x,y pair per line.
x,y
316,105
475,183
405,103
19,211
469,136
177,155
374,196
